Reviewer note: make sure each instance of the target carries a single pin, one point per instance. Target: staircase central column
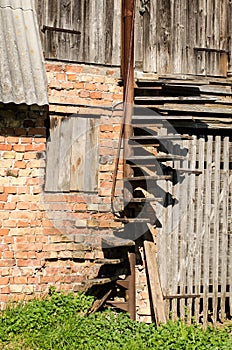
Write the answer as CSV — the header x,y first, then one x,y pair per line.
x,y
128,78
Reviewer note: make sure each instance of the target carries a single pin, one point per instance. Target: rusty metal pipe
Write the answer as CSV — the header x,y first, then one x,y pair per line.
x,y
127,63
128,17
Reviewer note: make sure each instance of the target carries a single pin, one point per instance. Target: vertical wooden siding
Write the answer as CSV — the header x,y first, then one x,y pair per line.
x,y
187,37
98,21
172,37
194,241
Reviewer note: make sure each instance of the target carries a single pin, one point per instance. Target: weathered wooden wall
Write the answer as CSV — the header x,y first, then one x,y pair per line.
x,y
98,22
187,37
171,37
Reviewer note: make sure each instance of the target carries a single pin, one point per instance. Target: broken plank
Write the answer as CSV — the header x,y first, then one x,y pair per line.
x,y
154,281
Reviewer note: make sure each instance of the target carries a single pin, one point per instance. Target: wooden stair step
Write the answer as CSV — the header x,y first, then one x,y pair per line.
x,y
153,119
122,305
144,200
114,241
123,283
139,126
99,281
160,137
109,261
143,144
191,171
137,88
151,159
132,220
148,178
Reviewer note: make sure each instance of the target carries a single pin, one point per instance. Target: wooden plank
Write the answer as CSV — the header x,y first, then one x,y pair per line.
x,y
154,281
138,36
77,181
212,109
215,233
53,160
224,233
92,155
164,36
64,152
183,253
99,302
175,244
116,39
198,256
192,240
192,19
201,37
184,36
169,146
149,38
230,230
206,228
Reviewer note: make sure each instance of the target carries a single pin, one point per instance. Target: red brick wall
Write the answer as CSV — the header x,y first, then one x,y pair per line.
x,y
46,238
53,238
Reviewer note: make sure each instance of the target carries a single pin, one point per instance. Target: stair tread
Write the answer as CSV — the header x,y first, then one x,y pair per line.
x,y
100,280
149,177
133,220
149,125
122,305
159,117
153,158
114,241
148,199
161,137
109,261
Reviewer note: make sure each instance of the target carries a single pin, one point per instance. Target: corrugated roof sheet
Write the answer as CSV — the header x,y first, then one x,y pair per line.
x,y
22,71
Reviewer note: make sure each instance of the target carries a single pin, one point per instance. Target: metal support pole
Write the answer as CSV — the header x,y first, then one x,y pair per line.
x,y
128,77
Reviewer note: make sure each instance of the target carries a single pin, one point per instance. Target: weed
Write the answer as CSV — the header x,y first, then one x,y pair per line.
x,y
61,321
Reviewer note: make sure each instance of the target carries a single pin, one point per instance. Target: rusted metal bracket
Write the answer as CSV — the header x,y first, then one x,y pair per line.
x,y
208,49
61,30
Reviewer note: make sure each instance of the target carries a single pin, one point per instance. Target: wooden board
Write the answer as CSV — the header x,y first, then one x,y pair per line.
x,y
72,155
154,281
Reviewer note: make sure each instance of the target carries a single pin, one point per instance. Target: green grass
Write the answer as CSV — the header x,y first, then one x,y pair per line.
x,y
61,322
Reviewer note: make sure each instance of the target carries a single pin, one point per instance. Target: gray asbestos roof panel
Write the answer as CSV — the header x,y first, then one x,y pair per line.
x,y
22,71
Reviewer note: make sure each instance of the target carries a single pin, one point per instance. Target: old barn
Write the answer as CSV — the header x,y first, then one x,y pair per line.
x,y
121,180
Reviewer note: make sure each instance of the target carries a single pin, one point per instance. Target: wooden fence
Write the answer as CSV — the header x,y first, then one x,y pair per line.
x,y
194,240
